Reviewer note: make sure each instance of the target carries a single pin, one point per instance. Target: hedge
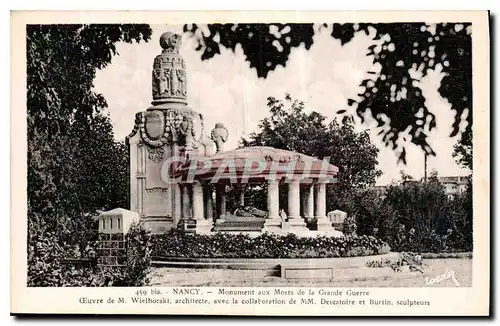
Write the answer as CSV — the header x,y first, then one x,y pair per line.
x,y
48,264
177,243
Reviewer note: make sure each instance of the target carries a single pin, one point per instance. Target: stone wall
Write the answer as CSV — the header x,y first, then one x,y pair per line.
x,y
113,227
112,250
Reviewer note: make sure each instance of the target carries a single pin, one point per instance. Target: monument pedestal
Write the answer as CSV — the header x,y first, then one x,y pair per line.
x,y
203,226
324,224
186,224
297,225
219,221
272,225
157,225
239,224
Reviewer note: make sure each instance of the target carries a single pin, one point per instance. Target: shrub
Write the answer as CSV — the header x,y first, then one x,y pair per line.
x,y
139,248
177,243
46,267
416,216
350,226
424,241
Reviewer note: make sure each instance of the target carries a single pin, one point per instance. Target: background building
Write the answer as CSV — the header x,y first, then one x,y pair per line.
x,y
453,186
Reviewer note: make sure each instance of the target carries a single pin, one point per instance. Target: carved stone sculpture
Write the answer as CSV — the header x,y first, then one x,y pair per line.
x,y
283,215
169,75
219,136
187,132
170,42
250,211
181,82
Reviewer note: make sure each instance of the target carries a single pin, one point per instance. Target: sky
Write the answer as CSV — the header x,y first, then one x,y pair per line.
x,y
225,89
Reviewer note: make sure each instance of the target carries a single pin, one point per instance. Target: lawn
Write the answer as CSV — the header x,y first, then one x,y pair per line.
x,y
344,277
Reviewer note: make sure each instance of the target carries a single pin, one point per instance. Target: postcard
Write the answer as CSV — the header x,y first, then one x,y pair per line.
x,y
250,163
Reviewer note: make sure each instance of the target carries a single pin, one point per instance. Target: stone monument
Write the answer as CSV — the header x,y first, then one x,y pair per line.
x,y
178,173
113,227
337,218
167,129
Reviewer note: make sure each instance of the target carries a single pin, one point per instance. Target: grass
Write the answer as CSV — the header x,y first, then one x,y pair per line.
x,y
344,277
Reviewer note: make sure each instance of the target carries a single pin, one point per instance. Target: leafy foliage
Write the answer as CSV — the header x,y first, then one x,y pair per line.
x,y
394,92
176,243
392,96
293,128
75,168
350,226
66,133
139,250
62,61
416,217
257,41
462,151
48,267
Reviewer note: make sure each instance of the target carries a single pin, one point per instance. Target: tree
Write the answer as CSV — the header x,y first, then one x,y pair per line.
x,y
416,216
91,175
74,165
422,210
65,130
392,92
462,151
97,168
309,133
374,215
460,221
421,205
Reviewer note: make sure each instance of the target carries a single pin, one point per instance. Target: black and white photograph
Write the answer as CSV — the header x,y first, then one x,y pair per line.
x,y
241,156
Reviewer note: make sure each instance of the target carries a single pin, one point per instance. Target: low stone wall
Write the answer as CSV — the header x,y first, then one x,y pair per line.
x,y
269,264
276,263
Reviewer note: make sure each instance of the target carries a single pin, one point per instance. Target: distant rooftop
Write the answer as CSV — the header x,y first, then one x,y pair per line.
x,y
458,179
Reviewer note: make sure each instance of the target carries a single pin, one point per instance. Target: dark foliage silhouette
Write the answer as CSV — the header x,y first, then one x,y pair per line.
x,y
390,93
75,167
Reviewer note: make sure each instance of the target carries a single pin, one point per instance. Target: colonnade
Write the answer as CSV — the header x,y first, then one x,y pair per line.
x,y
313,206
196,202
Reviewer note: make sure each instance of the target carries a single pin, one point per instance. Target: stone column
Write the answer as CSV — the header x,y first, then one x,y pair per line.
x,y
169,195
273,204
198,208
207,189
241,194
309,202
202,225
186,202
133,166
141,178
273,220
323,223
177,202
295,222
220,202
294,199
320,200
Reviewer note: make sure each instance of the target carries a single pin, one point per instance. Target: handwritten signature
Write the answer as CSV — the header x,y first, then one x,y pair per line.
x,y
446,275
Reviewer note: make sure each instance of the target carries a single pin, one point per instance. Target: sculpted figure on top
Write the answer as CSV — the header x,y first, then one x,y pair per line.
x,y
169,72
170,42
